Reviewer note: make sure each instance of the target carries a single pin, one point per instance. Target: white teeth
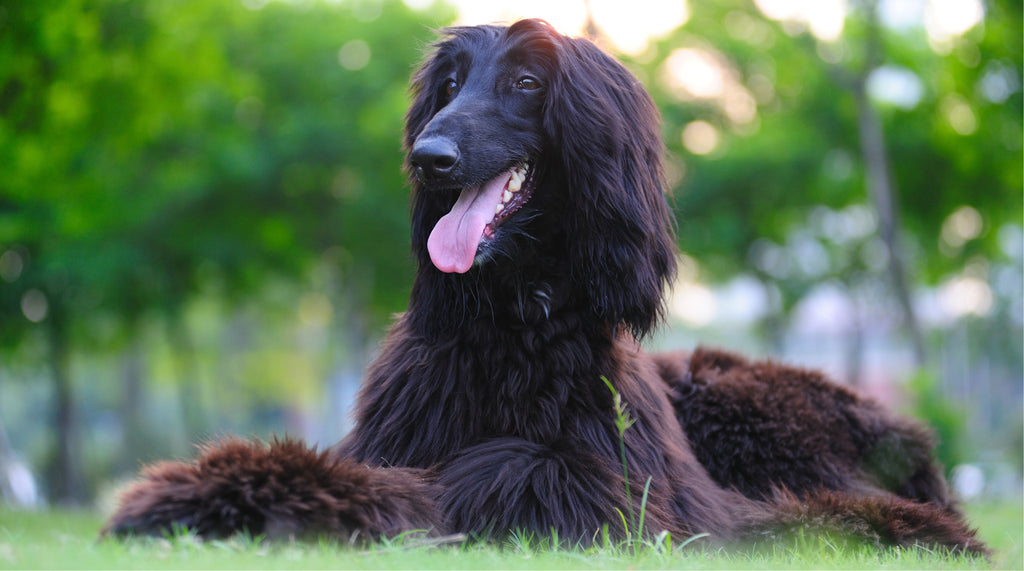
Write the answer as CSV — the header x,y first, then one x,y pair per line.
x,y
515,183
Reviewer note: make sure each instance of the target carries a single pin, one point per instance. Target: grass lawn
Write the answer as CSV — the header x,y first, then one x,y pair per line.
x,y
68,540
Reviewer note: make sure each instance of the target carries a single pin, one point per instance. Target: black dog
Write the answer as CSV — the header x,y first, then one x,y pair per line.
x,y
544,244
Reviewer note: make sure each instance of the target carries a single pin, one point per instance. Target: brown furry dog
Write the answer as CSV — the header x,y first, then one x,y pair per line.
x,y
544,244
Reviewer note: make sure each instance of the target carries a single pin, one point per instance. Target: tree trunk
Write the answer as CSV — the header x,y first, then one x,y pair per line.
x,y
349,347
854,341
190,395
66,482
880,186
133,441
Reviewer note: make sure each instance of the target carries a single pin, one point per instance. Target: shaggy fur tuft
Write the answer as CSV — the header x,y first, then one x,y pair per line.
x,y
793,428
545,244
878,521
280,490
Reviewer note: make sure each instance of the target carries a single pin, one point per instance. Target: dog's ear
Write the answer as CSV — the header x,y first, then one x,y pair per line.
x,y
603,127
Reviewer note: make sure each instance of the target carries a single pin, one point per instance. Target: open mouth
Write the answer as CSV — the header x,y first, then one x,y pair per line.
x,y
476,216
515,194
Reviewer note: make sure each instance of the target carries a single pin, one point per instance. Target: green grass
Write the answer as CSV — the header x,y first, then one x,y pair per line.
x,y
68,540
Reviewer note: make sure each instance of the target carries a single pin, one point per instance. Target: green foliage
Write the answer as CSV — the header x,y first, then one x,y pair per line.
x,y
634,528
162,152
797,149
945,418
622,423
155,149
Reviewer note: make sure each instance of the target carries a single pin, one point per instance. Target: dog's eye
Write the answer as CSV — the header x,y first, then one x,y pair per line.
x,y
450,87
527,83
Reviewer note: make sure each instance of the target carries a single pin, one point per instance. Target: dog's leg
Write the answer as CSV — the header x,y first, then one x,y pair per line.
x,y
879,520
509,484
758,426
283,489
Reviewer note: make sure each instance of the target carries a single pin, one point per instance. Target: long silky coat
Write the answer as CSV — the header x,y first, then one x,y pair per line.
x,y
489,410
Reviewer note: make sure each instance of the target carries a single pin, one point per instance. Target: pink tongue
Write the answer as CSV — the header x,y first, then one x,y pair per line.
x,y
453,242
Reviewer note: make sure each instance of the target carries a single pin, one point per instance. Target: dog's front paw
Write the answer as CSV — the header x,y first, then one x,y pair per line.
x,y
284,489
167,499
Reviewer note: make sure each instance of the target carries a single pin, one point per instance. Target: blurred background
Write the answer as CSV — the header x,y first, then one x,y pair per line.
x,y
203,217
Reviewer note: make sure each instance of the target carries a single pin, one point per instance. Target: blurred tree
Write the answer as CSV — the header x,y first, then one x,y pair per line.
x,y
155,151
878,176
158,153
772,130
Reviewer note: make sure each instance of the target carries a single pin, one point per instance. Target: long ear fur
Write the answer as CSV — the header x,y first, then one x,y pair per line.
x,y
604,126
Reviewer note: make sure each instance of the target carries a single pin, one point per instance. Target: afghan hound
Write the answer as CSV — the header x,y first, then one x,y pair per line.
x,y
514,395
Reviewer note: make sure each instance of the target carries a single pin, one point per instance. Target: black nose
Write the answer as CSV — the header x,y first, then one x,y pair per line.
x,y
434,157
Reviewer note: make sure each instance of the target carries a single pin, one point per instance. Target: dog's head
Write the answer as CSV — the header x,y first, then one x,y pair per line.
x,y
526,148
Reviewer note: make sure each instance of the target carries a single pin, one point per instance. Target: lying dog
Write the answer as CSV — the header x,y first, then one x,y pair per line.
x,y
544,245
